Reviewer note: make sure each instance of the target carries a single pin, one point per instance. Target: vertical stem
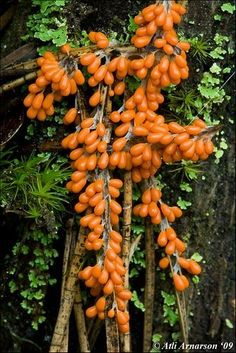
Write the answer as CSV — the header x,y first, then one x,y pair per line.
x,y
80,322
67,250
127,212
94,329
112,335
67,301
149,287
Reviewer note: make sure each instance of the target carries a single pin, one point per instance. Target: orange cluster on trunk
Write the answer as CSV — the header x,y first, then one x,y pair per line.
x,y
134,137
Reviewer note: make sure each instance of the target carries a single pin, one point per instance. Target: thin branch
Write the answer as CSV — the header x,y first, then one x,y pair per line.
x,y
80,322
94,329
76,54
19,69
127,212
112,335
20,81
69,294
149,286
66,259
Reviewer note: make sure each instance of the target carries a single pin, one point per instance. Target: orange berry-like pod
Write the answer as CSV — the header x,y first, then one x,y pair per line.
x,y
124,328
28,100
146,196
208,146
78,77
115,207
92,68
73,86
103,43
116,278
184,263
70,116
86,273
103,160
101,304
99,208
109,79
91,312
104,276
102,146
139,20
122,317
165,209
111,313
108,288
170,233
177,211
140,131
170,247
122,129
184,46
155,194
164,263
65,49
119,88
100,73
162,238
115,236
180,246
194,267
80,207
87,59
37,101
114,245
95,99
31,113
125,294
185,280
140,42
179,284
119,144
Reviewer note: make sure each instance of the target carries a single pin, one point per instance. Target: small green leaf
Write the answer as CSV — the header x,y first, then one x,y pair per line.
x,y
227,7
183,204
156,337
219,153
135,299
170,315
195,279
215,69
196,257
185,187
132,25
227,70
223,145
229,324
169,299
138,228
217,17
38,295
12,286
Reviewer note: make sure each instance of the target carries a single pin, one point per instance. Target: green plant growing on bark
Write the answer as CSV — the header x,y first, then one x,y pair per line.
x,y
200,49
47,23
29,275
32,189
33,186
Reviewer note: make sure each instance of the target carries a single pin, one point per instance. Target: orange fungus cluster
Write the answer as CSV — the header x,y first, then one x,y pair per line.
x,y
133,137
